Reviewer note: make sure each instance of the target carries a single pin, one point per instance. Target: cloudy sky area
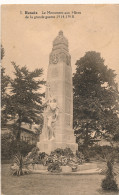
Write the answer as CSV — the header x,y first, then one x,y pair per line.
x,y
29,41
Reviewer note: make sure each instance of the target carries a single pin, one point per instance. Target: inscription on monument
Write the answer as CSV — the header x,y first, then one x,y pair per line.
x,y
67,120
68,75
54,72
54,87
68,89
67,106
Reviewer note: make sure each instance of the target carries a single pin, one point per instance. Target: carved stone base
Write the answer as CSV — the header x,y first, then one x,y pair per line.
x,y
48,146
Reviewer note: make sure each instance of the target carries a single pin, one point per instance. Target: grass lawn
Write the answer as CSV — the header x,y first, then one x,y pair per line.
x,y
37,184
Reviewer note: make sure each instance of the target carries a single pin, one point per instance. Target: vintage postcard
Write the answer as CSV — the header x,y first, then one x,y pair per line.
x,y
59,99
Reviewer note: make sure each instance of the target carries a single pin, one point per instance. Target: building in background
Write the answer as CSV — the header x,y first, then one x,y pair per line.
x,y
29,133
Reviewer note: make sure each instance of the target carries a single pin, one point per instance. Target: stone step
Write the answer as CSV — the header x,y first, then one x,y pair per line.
x,y
87,166
84,172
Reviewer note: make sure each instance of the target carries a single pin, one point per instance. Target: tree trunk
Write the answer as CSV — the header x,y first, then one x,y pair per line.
x,y
19,130
19,147
86,145
86,139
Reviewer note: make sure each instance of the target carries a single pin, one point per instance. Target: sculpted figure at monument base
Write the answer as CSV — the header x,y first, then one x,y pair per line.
x,y
51,116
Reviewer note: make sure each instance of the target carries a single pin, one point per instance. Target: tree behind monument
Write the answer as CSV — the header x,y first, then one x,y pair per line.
x,y
95,103
25,102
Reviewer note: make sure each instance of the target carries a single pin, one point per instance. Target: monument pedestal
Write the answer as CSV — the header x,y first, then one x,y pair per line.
x,y
48,146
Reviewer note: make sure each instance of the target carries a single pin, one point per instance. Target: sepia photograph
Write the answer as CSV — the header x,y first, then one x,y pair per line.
x,y
60,99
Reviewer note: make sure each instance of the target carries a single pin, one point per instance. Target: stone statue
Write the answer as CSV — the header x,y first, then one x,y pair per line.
x,y
52,111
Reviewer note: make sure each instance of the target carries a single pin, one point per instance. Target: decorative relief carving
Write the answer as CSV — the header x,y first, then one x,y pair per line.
x,y
60,50
54,58
60,47
65,58
60,56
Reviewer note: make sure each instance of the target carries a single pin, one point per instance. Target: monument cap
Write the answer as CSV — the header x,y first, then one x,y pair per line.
x,y
60,33
60,40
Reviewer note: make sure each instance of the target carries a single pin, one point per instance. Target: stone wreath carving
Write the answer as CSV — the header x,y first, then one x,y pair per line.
x,y
55,58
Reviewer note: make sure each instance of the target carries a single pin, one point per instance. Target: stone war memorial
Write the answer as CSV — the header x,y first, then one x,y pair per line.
x,y
58,114
56,149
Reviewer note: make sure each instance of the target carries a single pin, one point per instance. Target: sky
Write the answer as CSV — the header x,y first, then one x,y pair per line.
x,y
28,41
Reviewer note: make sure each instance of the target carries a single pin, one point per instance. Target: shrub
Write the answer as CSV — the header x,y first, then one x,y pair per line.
x,y
98,152
23,147
68,152
6,140
80,157
10,147
54,167
109,183
19,165
63,152
57,158
32,156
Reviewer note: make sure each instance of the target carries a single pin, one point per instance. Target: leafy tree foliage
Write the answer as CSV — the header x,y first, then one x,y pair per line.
x,y
25,101
6,140
5,81
9,146
2,52
96,101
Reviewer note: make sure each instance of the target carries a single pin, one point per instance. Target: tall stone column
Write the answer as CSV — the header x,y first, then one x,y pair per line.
x,y
58,115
